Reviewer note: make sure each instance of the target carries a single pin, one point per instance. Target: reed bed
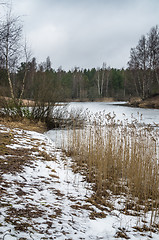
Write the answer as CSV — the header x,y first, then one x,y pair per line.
x,y
119,157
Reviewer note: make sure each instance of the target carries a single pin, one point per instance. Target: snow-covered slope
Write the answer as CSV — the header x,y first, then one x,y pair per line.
x,y
45,199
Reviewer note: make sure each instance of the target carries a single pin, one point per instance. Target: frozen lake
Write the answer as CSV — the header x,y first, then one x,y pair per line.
x,y
149,116
143,115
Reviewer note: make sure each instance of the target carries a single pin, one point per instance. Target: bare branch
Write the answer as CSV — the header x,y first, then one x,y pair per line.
x,y
10,44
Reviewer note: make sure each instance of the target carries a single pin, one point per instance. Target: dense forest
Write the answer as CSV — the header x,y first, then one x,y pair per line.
x,y
30,80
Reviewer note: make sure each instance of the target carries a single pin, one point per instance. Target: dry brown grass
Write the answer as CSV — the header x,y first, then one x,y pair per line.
x,y
122,158
24,123
25,102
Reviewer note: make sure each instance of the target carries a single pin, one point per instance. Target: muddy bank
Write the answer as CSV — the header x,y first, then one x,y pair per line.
x,y
152,102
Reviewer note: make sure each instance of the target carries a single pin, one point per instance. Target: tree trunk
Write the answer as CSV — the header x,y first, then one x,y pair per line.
x,y
22,91
10,84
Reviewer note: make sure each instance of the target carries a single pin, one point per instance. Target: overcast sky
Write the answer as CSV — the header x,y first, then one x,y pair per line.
x,y
85,33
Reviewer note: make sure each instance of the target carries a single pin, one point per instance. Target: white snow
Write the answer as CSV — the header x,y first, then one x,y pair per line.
x,y
45,199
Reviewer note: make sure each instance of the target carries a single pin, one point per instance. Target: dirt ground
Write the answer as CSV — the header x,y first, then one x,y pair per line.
x,y
152,102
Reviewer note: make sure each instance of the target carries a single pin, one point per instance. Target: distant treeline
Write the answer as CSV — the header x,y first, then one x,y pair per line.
x,y
43,83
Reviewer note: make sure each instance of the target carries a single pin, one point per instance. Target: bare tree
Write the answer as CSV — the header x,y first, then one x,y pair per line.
x,y
144,62
102,78
27,57
139,65
48,64
153,48
11,48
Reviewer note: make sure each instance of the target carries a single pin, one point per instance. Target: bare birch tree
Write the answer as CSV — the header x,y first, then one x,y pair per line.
x,y
11,48
102,79
153,48
139,63
144,63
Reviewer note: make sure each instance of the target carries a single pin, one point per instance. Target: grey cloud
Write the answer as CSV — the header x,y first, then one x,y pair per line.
x,y
87,32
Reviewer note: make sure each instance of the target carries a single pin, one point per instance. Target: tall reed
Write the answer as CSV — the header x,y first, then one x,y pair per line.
x,y
118,156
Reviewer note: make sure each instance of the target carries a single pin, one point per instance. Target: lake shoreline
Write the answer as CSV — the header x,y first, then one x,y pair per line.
x,y
151,102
